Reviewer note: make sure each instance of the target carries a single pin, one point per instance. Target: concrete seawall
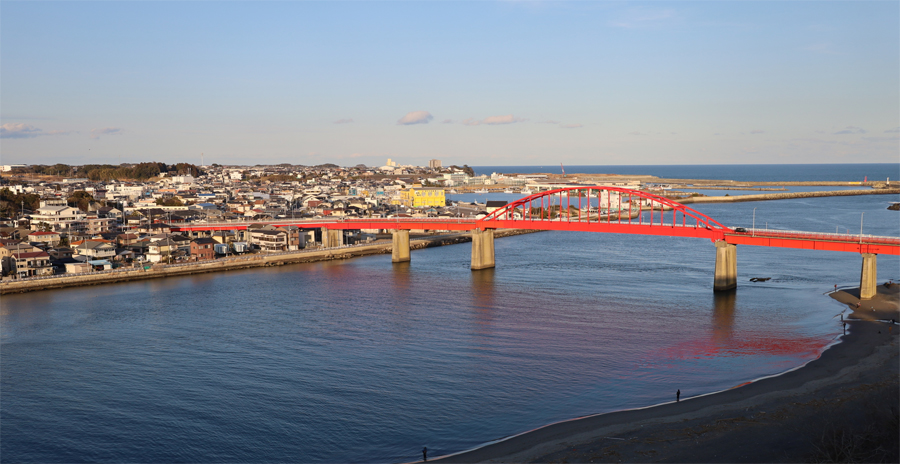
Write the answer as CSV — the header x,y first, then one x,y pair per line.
x,y
245,262
788,195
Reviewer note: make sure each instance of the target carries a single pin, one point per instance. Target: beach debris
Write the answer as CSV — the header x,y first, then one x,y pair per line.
x,y
760,279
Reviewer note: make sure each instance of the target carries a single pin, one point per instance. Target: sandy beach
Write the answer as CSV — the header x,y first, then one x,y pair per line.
x,y
841,407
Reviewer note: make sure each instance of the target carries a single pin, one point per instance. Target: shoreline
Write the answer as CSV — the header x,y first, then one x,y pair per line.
x,y
246,262
755,421
787,196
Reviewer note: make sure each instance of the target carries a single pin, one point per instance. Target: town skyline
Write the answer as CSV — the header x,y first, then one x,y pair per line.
x,y
494,83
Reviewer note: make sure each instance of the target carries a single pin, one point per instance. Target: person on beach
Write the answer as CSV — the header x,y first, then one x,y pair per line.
x,y
678,395
425,454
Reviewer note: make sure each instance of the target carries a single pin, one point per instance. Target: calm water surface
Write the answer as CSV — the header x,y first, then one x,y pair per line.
x,y
365,361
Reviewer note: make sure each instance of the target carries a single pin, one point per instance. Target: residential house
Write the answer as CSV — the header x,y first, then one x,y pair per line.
x,y
203,248
161,250
48,238
94,249
28,264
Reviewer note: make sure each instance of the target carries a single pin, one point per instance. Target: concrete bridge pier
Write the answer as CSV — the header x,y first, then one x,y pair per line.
x,y
482,249
332,238
726,267
868,277
400,248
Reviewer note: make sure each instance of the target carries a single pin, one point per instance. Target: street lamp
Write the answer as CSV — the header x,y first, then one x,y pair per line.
x,y
860,226
753,229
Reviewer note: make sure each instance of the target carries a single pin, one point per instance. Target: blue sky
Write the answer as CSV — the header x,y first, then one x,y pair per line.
x,y
478,83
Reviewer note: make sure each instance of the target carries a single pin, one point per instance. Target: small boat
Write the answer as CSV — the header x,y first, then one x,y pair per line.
x,y
481,191
507,191
526,191
453,191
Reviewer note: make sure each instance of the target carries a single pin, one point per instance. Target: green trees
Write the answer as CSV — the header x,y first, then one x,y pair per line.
x,y
171,201
81,200
108,172
11,203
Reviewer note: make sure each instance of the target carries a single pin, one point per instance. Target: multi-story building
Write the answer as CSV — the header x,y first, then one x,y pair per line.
x,y
59,218
97,226
423,197
270,239
434,164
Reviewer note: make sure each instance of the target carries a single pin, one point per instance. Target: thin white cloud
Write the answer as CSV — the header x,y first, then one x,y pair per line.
x,y
96,133
851,130
12,130
470,122
447,121
549,121
343,121
415,117
495,120
571,126
757,131
893,131
507,119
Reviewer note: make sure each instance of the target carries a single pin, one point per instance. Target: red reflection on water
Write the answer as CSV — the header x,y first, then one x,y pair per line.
x,y
746,343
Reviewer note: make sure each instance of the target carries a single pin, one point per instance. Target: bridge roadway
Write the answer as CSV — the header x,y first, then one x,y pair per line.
x,y
755,237
604,210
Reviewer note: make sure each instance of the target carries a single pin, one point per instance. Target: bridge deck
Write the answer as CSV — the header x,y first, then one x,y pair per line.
x,y
766,238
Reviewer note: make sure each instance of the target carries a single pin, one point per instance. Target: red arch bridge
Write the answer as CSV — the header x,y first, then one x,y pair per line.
x,y
597,209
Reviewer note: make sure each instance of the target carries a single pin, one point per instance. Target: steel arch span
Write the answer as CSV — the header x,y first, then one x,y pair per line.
x,y
604,209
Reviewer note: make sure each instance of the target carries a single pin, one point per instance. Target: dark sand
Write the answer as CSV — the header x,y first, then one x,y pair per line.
x,y
840,407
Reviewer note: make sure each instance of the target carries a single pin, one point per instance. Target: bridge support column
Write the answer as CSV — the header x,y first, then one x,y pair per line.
x,y
868,277
331,238
400,248
726,267
482,249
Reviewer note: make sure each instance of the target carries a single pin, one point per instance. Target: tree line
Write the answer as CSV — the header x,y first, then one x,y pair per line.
x,y
108,172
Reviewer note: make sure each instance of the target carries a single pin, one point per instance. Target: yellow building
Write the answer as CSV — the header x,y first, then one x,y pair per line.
x,y
422,197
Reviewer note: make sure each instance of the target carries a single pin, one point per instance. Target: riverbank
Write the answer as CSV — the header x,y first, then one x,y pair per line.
x,y
230,264
840,407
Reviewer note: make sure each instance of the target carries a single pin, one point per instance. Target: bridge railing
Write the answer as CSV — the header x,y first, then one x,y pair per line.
x,y
796,234
326,220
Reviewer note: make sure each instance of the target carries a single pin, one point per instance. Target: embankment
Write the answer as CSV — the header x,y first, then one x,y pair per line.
x,y
229,264
788,195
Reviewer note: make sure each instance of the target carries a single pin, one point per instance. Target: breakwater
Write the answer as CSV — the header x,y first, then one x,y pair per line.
x,y
230,264
787,195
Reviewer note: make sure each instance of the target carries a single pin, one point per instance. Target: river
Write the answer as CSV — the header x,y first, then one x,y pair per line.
x,y
367,361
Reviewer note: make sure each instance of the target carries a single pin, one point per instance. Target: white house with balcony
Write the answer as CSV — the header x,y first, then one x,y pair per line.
x,y
59,218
